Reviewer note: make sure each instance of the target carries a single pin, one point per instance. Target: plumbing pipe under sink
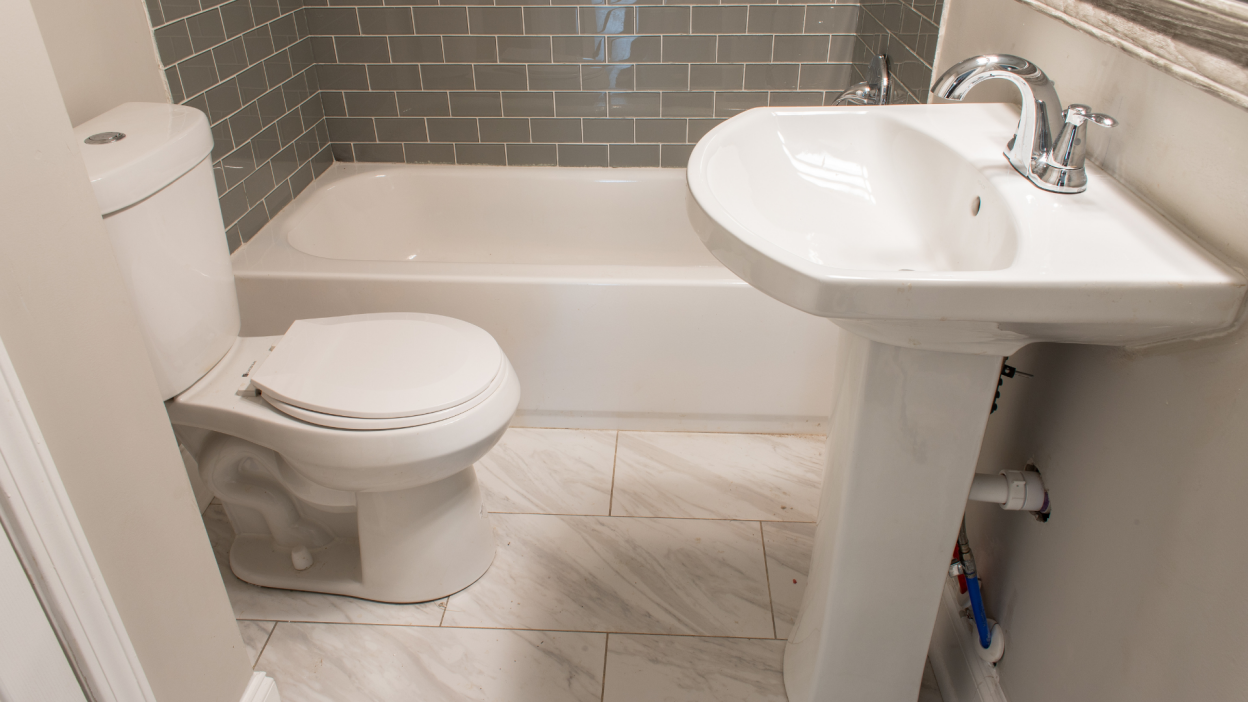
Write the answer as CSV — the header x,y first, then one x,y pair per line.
x,y
1012,489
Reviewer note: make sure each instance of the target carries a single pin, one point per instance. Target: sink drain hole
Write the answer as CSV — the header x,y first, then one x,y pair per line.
x,y
975,206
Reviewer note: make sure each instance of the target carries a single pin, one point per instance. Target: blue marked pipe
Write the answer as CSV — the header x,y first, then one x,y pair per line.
x,y
972,588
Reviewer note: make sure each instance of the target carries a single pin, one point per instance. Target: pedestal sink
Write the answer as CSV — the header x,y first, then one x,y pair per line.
x,y
906,226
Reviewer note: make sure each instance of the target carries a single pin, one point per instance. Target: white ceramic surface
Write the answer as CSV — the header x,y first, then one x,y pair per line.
x,y
906,225
647,334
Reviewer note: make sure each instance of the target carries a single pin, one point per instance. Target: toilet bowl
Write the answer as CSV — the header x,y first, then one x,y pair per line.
x,y
342,451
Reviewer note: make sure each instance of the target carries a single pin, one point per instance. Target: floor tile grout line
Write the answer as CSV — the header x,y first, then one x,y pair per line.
x,y
606,647
634,516
551,631
267,639
762,537
615,458
445,606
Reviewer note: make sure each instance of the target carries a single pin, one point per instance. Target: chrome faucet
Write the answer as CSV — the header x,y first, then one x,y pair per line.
x,y
873,91
1053,162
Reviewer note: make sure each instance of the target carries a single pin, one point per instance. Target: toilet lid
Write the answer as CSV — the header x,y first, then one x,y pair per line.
x,y
377,366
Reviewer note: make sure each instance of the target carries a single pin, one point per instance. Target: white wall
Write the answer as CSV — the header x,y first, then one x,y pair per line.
x,y
102,53
74,341
1137,588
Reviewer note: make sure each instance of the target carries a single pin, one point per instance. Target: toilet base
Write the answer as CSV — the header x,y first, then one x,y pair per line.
x,y
414,545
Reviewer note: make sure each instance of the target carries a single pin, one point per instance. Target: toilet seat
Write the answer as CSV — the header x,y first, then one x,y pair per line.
x,y
380,371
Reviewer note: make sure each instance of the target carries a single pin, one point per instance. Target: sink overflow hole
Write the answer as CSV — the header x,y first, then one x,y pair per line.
x,y
975,206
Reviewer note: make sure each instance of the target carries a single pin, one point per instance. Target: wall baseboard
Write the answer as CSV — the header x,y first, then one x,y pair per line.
x,y
261,688
961,674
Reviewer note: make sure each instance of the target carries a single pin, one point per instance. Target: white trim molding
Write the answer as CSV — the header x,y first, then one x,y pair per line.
x,y
961,674
36,512
261,688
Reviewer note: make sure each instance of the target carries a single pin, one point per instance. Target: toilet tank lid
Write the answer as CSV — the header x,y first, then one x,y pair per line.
x,y
161,143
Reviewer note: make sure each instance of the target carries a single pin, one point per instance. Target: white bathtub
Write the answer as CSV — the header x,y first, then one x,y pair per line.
x,y
592,280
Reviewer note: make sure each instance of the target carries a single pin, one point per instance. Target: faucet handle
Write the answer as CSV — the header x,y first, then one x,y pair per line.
x,y
1063,168
1078,114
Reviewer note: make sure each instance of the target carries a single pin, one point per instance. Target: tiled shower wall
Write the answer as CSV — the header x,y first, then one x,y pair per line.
x,y
248,65
905,31
561,82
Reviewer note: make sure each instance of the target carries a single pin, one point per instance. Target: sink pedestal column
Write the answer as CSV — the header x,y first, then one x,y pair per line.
x,y
905,434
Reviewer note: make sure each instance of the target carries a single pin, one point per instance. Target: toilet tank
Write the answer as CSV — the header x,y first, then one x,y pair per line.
x,y
159,202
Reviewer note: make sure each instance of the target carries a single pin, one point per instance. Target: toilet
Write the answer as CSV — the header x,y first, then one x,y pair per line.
x,y
343,450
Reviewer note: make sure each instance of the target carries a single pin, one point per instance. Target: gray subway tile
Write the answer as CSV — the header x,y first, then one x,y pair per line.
x,y
742,48
343,153
175,84
222,101
676,155
470,49
285,163
401,129
634,156
776,19
252,222
771,76
716,76
440,20
198,73
449,76
259,184
831,19
362,49
663,76
301,57
551,20
501,77
289,128
351,129
475,104
496,20
608,76
504,129
581,104
671,19
720,20
397,76
452,128
205,30
301,179
842,49
607,20
692,104
583,155
386,20
238,164
429,153
805,48
259,44
277,68
578,49
333,103
323,50
529,104
554,77
263,10
332,21
174,9
661,131
558,130
730,104
371,104
481,154
272,106
222,142
424,104
699,127
279,198
233,205
795,99
607,130
816,76
532,155
690,49
633,104
284,32
173,43
265,146
635,49
236,17
416,49
379,153
525,49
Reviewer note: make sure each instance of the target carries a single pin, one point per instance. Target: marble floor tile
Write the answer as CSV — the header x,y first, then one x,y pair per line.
x,y
718,476
929,691
353,663
693,669
655,576
549,471
263,603
255,635
788,561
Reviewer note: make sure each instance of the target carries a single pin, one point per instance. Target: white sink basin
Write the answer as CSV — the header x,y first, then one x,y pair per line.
x,y
866,216
906,226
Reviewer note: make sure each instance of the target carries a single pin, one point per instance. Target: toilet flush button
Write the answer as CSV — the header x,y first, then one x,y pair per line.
x,y
104,138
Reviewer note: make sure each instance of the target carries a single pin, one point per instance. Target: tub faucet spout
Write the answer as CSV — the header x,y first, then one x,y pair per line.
x,y
1048,146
